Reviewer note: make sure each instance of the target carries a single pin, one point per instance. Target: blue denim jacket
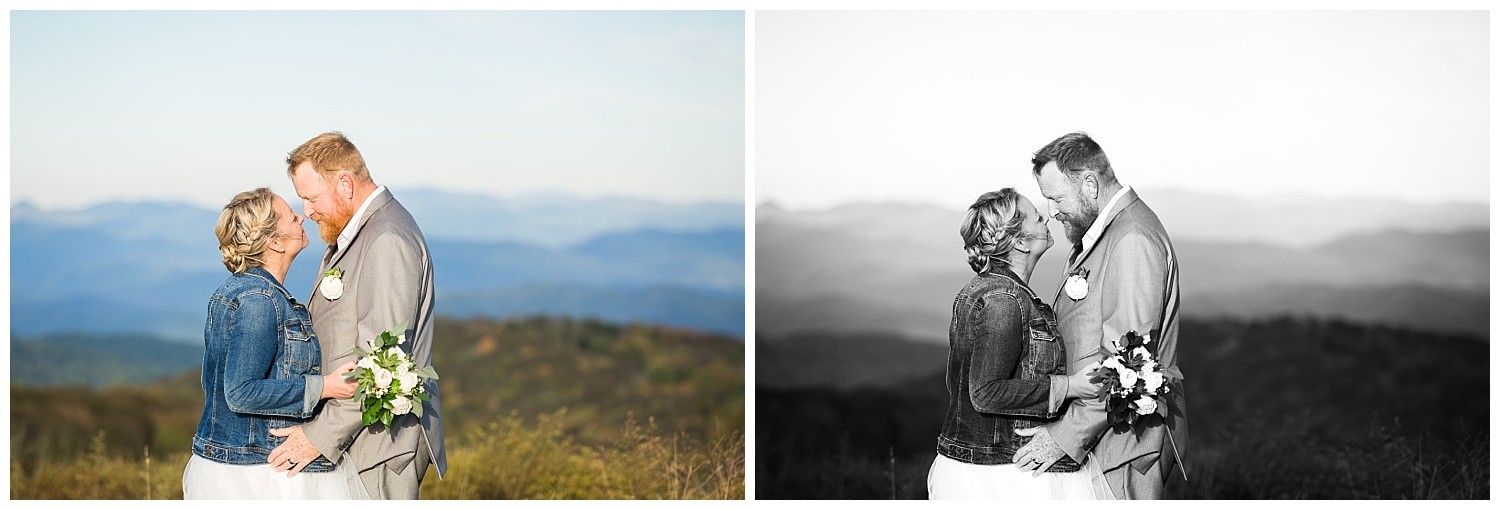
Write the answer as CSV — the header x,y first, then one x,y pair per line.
x,y
260,370
1006,371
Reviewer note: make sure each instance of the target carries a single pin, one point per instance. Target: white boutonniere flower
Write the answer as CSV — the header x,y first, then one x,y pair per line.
x,y
332,285
1077,285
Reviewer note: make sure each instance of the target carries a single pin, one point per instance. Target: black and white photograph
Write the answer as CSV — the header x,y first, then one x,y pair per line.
x,y
1121,255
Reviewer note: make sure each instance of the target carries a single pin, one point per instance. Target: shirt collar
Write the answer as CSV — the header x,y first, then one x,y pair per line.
x,y
1092,234
352,227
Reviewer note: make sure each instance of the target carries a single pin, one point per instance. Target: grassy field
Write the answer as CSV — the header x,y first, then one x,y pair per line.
x,y
506,459
534,408
1278,409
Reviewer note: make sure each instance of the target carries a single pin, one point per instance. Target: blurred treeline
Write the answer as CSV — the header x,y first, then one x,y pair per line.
x,y
1285,408
534,408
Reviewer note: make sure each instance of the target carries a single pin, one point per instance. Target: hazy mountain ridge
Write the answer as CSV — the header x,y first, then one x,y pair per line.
x,y
150,266
896,267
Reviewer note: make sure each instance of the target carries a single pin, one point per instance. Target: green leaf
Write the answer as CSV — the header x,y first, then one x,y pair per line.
x,y
385,419
368,417
428,372
416,408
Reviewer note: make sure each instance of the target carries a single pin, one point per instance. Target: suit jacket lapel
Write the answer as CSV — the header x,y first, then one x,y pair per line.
x,y
1076,259
1126,201
333,255
375,205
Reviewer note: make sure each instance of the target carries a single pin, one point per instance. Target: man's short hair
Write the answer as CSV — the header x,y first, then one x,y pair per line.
x,y
329,153
1074,153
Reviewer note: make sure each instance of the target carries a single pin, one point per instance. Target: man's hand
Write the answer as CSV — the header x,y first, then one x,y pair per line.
x,y
295,453
1039,454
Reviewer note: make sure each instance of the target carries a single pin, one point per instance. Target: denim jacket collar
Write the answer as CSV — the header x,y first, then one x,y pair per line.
x,y
261,272
1005,271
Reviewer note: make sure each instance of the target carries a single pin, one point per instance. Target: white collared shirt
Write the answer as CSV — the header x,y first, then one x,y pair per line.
x,y
1092,234
347,235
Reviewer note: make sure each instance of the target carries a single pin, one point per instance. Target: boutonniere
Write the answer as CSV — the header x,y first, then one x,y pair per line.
x,y
332,285
1077,285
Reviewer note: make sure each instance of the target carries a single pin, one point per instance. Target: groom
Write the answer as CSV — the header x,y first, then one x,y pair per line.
x,y
386,279
1126,281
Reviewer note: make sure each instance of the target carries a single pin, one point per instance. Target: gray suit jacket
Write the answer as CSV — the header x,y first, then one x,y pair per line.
x,y
387,280
1132,286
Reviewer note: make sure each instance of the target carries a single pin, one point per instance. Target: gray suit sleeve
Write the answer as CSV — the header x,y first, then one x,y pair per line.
x,y
389,283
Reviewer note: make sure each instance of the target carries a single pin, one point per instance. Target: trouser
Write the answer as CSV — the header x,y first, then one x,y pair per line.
x,y
383,482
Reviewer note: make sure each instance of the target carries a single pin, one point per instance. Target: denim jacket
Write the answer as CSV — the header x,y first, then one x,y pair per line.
x,y
1006,371
260,370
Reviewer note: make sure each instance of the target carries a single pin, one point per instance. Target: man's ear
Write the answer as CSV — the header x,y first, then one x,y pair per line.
x,y
1090,186
346,185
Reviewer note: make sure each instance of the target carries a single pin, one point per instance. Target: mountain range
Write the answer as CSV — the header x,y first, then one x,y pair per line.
x,y
895,267
149,267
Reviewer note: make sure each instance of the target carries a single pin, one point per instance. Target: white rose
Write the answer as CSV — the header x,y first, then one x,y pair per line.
x,y
332,287
408,382
1145,405
1153,380
1113,362
382,378
400,405
1141,352
1128,378
367,362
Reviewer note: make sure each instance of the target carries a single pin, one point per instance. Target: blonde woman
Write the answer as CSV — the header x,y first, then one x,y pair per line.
x,y
1005,365
260,363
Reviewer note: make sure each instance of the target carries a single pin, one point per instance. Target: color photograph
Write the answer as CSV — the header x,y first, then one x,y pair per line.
x,y
377,255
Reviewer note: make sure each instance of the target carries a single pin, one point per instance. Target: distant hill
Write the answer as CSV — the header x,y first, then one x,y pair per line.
x,y
1303,221
127,267
897,267
844,361
98,360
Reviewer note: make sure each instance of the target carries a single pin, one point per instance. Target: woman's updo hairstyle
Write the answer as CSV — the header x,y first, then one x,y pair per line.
x,y
245,226
990,229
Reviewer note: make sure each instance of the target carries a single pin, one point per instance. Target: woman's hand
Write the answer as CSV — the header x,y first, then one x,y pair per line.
x,y
1079,385
334,385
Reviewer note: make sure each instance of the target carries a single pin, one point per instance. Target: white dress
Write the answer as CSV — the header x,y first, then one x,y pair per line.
x,y
954,479
206,479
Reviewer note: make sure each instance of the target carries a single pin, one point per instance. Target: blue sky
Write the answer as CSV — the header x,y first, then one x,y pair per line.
x,y
194,106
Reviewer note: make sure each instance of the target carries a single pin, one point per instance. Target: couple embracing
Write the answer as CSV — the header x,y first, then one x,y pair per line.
x,y
278,419
1034,390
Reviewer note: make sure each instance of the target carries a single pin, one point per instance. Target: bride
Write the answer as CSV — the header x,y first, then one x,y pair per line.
x,y
260,363
1005,365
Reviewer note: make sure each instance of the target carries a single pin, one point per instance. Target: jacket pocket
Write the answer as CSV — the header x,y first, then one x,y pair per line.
x,y
300,347
1044,356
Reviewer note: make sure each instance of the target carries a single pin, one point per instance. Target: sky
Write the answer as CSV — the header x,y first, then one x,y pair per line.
x,y
196,106
938,107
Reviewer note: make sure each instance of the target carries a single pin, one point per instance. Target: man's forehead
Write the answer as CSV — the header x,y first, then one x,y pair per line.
x,y
1050,176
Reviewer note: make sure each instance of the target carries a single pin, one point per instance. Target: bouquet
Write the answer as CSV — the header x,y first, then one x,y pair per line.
x,y
1132,385
390,384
